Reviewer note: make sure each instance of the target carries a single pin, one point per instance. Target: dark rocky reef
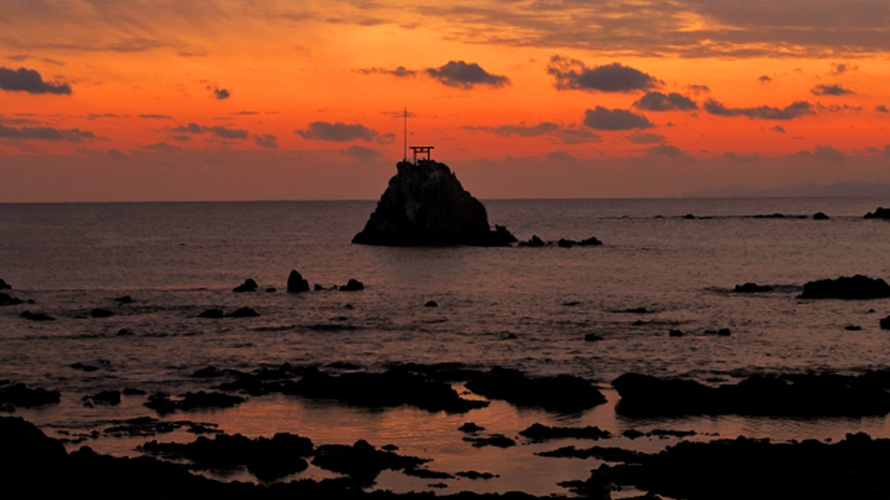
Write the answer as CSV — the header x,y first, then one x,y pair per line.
x,y
747,468
267,459
805,395
561,393
361,461
425,205
296,283
164,404
857,287
879,213
19,395
496,440
388,389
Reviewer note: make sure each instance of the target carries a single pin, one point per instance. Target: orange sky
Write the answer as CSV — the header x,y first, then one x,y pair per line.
x,y
168,100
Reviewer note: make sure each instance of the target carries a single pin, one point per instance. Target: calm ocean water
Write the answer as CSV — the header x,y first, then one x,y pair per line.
x,y
177,259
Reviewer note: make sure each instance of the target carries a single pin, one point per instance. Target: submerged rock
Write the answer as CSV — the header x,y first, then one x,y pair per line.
x,y
37,316
541,432
752,288
857,287
163,404
497,440
533,242
296,283
425,205
243,312
126,299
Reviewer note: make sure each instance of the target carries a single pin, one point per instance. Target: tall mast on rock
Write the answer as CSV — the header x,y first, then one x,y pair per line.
x,y
405,142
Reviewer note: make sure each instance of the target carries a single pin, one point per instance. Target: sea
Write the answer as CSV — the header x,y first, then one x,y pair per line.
x,y
593,312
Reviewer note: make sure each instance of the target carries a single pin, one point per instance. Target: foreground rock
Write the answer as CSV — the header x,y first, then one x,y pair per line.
x,y
361,461
267,459
806,395
425,205
744,469
857,287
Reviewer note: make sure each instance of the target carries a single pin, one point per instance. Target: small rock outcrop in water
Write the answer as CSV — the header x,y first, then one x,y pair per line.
x,y
353,285
879,213
852,288
425,205
752,288
296,283
9,300
249,285
4,285
820,216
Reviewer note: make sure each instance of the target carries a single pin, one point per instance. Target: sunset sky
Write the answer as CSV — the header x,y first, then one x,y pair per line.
x,y
254,100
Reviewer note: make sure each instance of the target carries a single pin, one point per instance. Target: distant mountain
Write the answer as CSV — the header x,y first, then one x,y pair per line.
x,y
840,190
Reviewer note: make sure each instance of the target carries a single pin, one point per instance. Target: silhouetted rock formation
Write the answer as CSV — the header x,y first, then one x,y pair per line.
x,y
19,395
425,205
496,440
249,285
806,395
563,393
541,432
752,288
858,287
163,404
101,313
9,300
353,285
820,216
533,242
296,283
725,470
885,323
879,213
4,285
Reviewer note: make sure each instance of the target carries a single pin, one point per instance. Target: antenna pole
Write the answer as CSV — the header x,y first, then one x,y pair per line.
x,y
405,143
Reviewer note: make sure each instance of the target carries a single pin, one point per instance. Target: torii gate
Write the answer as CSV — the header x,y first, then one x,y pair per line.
x,y
422,150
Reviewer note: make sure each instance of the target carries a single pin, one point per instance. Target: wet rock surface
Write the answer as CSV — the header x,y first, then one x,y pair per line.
x,y
361,461
267,459
540,432
856,287
425,205
561,393
165,404
149,427
805,395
